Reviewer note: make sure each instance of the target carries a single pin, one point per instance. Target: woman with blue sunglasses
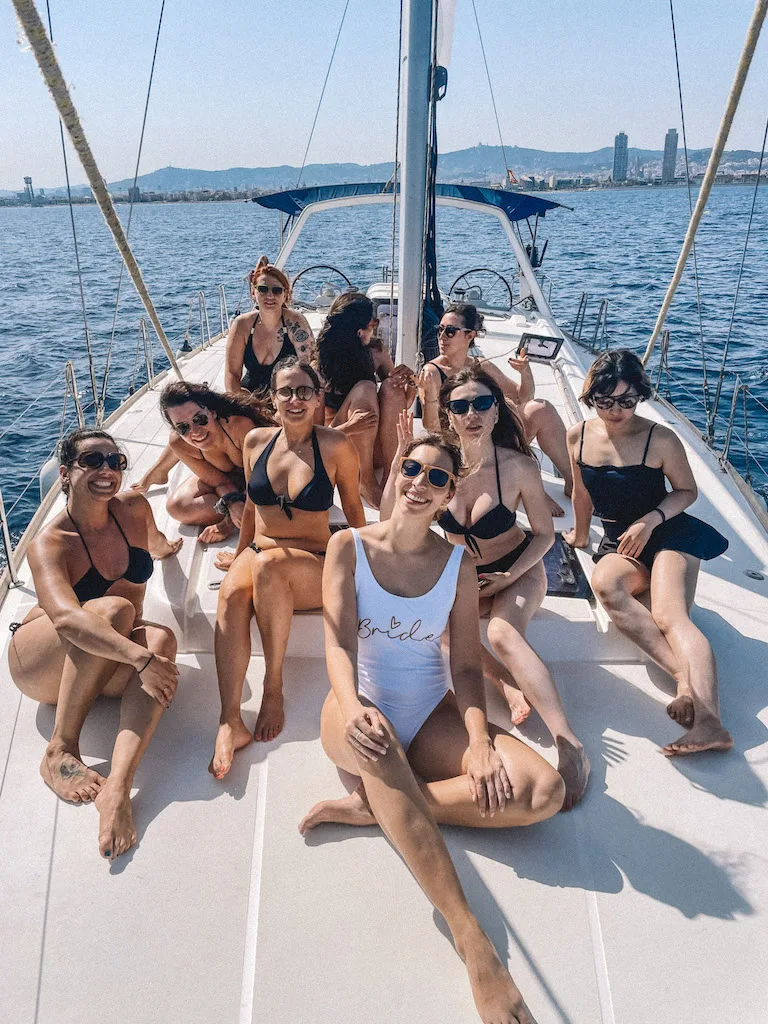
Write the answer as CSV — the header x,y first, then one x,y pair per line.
x,y
86,636
422,754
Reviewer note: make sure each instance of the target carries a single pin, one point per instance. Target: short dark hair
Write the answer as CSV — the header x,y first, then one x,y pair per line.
x,y
294,363
443,442
69,447
179,392
608,369
473,320
509,431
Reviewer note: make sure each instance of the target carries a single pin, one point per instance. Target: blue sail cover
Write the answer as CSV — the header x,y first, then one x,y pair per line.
x,y
516,205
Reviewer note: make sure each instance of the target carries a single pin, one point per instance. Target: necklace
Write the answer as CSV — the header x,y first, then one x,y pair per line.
x,y
297,449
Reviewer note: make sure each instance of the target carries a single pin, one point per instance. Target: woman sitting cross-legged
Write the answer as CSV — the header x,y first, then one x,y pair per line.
x,y
278,566
351,361
458,329
501,472
208,430
86,636
651,547
424,756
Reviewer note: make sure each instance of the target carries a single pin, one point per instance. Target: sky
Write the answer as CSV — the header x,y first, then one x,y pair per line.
x,y
237,81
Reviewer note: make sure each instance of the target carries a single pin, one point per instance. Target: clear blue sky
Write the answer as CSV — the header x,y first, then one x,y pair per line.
x,y
237,80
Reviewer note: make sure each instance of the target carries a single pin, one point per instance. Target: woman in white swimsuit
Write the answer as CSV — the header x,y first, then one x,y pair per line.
x,y
389,590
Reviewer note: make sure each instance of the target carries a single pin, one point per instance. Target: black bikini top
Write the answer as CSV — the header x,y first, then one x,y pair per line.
x,y
495,522
257,375
622,494
317,496
94,585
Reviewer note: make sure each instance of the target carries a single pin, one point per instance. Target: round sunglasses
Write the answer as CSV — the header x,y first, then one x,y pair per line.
x,y
623,401
303,392
95,460
265,289
461,406
437,477
450,331
200,419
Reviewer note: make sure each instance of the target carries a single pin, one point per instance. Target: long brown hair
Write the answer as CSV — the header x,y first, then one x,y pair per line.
x,y
223,405
508,432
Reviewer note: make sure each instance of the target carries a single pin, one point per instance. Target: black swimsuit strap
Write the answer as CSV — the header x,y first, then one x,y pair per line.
x,y
498,478
648,444
581,446
82,538
114,517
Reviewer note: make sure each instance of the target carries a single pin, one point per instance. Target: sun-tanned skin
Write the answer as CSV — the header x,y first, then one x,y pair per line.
x,y
67,654
662,629
458,770
285,575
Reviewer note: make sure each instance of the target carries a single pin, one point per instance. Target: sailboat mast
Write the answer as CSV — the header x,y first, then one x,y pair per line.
x,y
414,147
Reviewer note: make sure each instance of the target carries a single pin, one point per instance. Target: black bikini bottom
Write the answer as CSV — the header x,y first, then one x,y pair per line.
x,y
320,554
503,564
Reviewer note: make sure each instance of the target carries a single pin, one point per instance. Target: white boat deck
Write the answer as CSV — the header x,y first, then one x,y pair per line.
x,y
649,902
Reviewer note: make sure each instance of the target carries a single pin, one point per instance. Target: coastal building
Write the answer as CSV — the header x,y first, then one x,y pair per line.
x,y
134,194
620,157
670,157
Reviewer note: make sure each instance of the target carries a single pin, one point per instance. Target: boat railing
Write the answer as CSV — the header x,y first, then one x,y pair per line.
x,y
600,336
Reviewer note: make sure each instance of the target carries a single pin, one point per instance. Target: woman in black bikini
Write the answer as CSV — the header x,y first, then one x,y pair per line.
x,y
278,566
500,473
86,636
258,340
651,547
351,361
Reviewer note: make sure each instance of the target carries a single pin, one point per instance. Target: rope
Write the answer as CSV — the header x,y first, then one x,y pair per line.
x,y
74,239
102,402
705,380
51,72
753,34
394,183
719,388
490,86
322,93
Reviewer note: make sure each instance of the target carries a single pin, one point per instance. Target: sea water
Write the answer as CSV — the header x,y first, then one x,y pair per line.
x,y
620,245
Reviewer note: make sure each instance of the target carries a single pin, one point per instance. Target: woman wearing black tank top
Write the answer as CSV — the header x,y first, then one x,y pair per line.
x,y
278,566
651,548
86,637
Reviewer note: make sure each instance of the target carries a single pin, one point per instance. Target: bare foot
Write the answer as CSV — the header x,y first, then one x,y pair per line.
x,y
497,998
68,777
710,734
350,810
271,718
216,532
573,766
681,710
230,737
116,829
519,708
554,508
155,477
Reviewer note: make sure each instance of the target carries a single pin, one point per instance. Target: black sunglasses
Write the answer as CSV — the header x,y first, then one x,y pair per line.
x,y
461,406
303,392
449,330
623,401
265,289
436,476
200,419
95,460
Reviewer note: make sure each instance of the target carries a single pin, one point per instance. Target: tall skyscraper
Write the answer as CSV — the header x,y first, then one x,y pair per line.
x,y
670,156
620,157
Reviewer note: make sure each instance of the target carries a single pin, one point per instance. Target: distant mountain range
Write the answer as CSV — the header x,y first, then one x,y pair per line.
x,y
477,163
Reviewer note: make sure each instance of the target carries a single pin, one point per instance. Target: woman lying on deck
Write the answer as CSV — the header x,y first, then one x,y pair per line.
x,y
651,548
351,361
460,325
278,566
208,430
423,756
86,636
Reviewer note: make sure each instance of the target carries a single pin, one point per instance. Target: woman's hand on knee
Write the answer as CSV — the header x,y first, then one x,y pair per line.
x,y
159,678
488,780
360,420
365,732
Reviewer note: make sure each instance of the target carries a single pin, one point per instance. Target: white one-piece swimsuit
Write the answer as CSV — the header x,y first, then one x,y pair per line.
x,y
400,665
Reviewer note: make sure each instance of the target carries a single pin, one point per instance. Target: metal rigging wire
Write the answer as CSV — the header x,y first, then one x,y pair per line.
x,y
74,238
322,93
705,381
719,388
394,180
490,86
131,194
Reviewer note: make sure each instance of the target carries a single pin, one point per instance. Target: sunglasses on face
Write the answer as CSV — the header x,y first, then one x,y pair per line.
x,y
200,419
303,392
437,477
265,289
623,401
95,460
450,331
461,406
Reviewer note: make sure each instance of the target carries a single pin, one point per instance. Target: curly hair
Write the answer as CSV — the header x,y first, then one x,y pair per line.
x,y
508,432
342,357
69,447
223,405
265,267
610,367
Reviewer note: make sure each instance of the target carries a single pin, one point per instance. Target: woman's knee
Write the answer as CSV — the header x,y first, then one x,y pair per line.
x,y
502,636
547,793
269,572
668,618
235,593
119,612
164,642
